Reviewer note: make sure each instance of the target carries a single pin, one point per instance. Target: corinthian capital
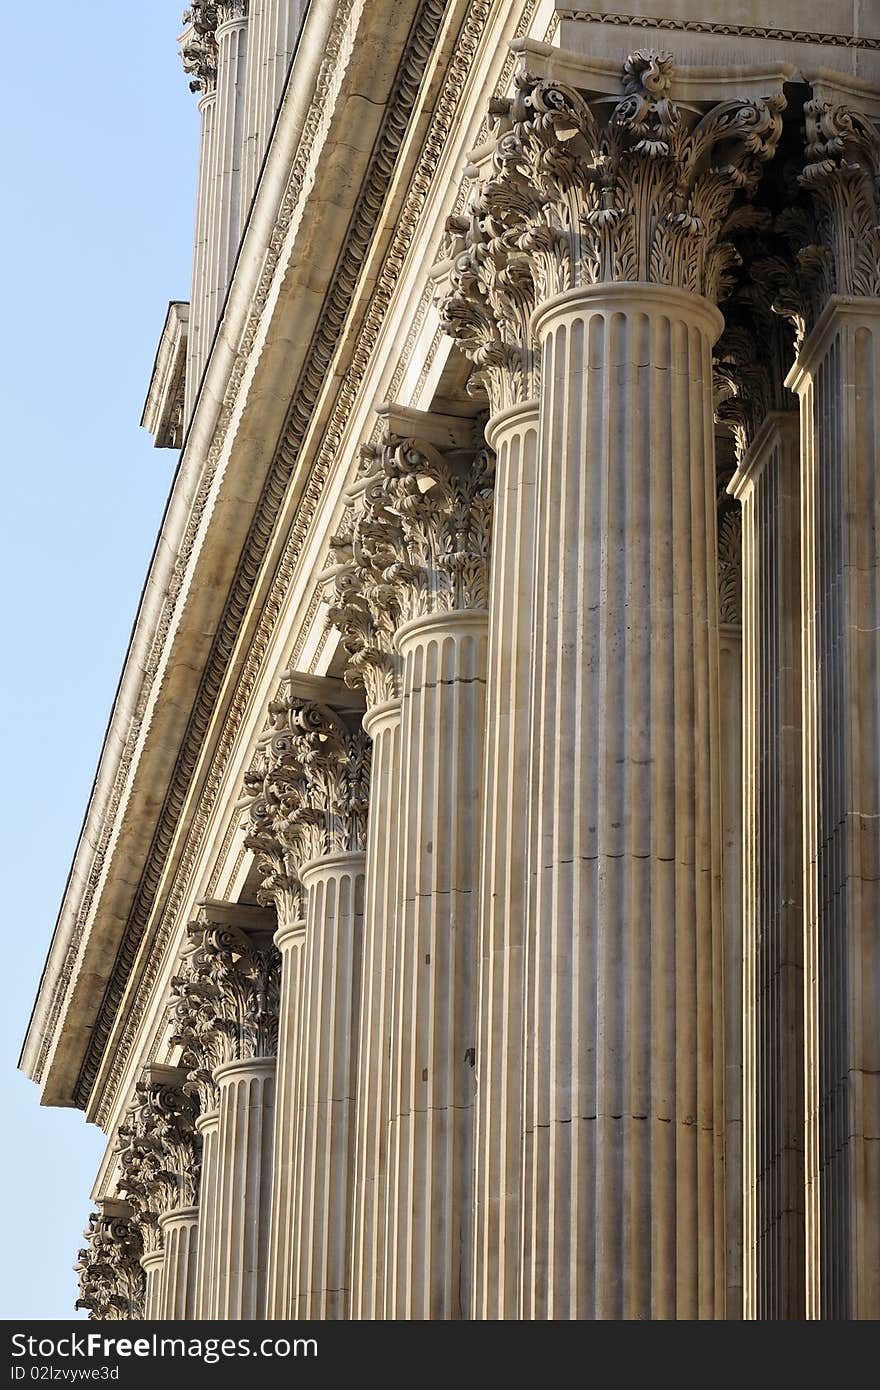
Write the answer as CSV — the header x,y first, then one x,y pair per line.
x,y
198,46
364,605
226,998
160,1152
111,1279
430,523
307,793
842,174
585,189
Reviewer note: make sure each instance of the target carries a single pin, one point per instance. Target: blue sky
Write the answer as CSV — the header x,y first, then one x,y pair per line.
x,y
100,163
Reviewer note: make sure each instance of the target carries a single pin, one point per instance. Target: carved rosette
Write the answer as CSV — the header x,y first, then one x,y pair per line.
x,y
111,1279
431,526
160,1156
584,191
307,794
842,175
198,48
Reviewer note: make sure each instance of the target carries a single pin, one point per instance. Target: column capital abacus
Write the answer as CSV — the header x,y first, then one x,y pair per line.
x,y
198,45
160,1151
111,1278
307,793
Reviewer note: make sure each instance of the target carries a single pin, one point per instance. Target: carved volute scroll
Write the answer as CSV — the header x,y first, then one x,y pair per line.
x,y
111,1279
307,794
160,1153
585,190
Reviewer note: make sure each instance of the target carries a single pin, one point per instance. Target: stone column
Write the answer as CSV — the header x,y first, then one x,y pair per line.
x,y
731,725
431,496
207,1127
244,1187
308,794
247,977
507,368
767,483
600,204
325,1110
160,1158
382,725
180,1240
836,379
290,941
362,610
753,358
111,1278
513,434
274,28
199,53
224,230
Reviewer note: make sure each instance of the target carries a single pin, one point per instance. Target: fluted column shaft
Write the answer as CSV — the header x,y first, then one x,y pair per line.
x,y
273,29
208,1126
836,378
290,940
730,671
327,1078
178,1290
382,724
622,1145
152,1265
244,1188
430,1144
198,336
768,484
513,434
224,229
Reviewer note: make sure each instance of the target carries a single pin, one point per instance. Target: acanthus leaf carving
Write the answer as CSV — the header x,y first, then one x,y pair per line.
x,y
584,191
307,795
842,174
198,49
225,1002
111,1277
160,1155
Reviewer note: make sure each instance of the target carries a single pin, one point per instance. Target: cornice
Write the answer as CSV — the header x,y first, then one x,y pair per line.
x,y
215,425
703,26
310,487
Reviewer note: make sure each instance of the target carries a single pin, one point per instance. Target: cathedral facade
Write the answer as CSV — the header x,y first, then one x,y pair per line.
x,y
477,911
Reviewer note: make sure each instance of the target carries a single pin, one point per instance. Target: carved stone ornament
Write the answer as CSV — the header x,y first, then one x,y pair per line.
x,y
584,190
198,49
765,316
730,561
225,1002
842,175
160,1155
112,1283
364,606
420,545
307,794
